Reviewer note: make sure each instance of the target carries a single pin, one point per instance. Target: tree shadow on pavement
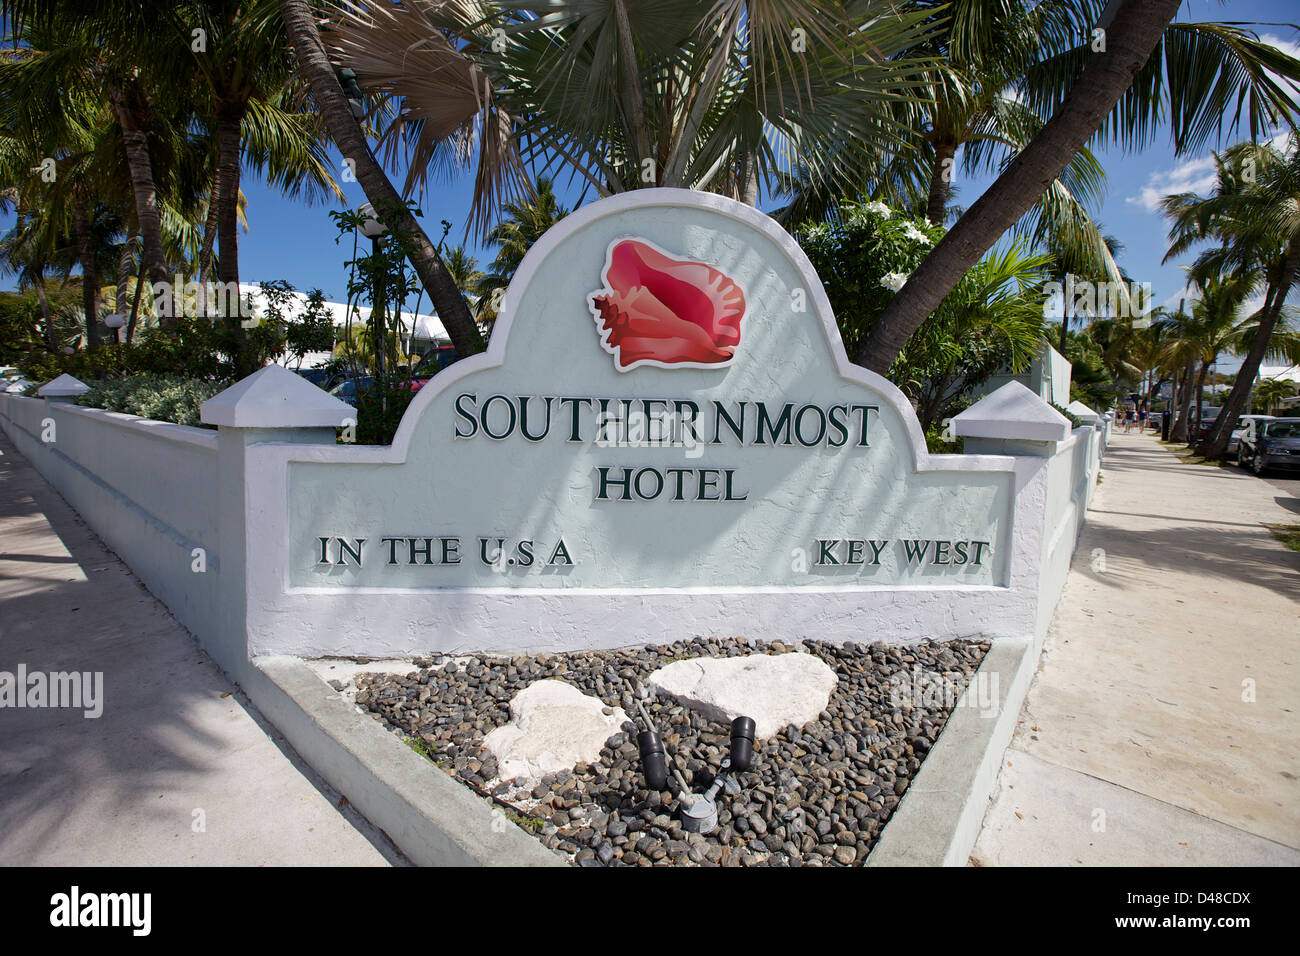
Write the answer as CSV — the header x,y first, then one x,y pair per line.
x,y
123,787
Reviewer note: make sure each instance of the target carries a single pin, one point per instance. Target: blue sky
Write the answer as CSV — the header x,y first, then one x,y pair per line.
x,y
294,241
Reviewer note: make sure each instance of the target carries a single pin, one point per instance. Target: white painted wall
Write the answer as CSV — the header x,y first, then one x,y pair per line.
x,y
1071,478
148,489
151,491
156,492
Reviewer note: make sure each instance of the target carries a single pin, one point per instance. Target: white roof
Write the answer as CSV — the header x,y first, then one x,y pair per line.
x,y
1287,373
425,326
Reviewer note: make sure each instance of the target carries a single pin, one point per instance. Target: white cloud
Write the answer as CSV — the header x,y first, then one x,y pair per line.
x,y
1197,175
1189,176
1184,294
1286,46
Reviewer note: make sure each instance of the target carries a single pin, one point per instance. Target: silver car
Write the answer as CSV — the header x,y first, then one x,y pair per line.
x,y
1234,440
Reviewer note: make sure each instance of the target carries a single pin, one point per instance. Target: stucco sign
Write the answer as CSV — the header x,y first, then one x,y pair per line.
x,y
664,439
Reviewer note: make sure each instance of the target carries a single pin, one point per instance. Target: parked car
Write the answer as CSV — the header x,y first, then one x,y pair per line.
x,y
1270,443
433,362
1209,415
1234,440
347,389
318,377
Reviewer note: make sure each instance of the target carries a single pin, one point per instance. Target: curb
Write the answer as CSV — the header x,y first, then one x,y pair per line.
x,y
429,816
942,810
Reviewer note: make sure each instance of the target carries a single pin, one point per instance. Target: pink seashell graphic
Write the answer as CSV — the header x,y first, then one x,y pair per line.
x,y
657,310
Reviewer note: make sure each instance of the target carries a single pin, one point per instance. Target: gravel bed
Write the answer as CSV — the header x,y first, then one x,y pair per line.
x,y
816,795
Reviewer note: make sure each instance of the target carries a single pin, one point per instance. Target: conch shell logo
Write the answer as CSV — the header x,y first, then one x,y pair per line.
x,y
666,312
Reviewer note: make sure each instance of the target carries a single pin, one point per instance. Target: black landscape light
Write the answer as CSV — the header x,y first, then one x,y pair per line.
x,y
698,811
653,760
742,743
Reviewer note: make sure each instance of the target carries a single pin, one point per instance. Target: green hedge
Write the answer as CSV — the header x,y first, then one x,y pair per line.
x,y
164,398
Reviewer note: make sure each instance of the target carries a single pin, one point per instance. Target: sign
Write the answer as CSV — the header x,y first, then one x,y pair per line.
x,y
666,408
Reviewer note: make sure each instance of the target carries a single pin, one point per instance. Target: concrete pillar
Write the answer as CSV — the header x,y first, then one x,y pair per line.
x,y
63,390
271,405
1011,421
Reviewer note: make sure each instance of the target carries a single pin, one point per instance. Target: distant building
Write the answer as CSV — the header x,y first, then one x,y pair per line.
x,y
1285,373
420,332
1048,377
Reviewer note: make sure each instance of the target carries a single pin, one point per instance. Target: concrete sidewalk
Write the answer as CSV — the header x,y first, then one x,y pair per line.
x,y
1163,727
177,770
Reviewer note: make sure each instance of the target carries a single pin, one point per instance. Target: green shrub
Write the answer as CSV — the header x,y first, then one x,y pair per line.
x,y
937,444
163,398
992,319
377,419
1075,420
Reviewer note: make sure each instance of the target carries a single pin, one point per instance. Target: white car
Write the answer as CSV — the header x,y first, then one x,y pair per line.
x,y
1234,441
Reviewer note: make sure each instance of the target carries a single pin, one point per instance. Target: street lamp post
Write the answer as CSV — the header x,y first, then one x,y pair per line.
x,y
375,230
115,322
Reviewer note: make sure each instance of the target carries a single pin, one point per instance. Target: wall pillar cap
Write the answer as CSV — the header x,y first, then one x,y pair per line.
x,y
1013,411
64,386
1083,412
274,397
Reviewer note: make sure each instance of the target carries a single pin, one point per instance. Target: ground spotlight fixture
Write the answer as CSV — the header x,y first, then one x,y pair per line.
x,y
653,760
742,743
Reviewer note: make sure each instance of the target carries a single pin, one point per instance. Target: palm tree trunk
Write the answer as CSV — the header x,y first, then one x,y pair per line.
x,y
210,227
1130,39
135,304
51,339
89,272
125,268
314,65
940,182
1200,400
1180,432
229,119
130,107
1214,443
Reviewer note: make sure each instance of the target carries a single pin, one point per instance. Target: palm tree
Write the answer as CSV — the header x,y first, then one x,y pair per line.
x,y
1177,334
247,72
1216,326
1270,392
1071,260
91,53
465,271
26,252
523,222
314,65
1206,77
1115,337
60,86
1254,216
975,119
993,319
630,93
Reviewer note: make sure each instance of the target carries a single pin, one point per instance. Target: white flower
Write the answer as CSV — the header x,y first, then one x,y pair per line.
x,y
893,281
879,208
913,233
